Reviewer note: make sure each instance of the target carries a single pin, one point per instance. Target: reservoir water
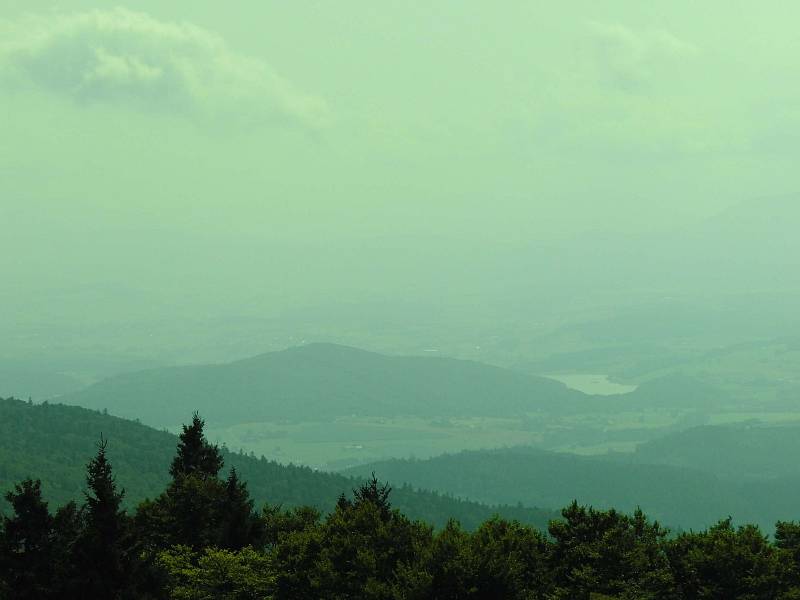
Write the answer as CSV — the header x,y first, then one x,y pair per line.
x,y
592,383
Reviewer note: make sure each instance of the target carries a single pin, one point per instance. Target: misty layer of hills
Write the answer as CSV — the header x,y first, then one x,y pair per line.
x,y
321,381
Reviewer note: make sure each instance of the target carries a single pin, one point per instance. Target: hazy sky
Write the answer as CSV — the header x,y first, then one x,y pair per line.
x,y
257,143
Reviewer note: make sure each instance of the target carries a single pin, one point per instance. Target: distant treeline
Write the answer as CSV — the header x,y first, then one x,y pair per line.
x,y
202,538
679,495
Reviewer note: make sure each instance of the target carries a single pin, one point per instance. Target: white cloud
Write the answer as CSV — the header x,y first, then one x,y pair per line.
x,y
635,92
123,57
632,60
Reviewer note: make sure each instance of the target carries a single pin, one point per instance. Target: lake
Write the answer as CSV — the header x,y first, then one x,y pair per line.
x,y
592,383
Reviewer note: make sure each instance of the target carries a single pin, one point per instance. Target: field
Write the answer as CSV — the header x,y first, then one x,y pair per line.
x,y
348,441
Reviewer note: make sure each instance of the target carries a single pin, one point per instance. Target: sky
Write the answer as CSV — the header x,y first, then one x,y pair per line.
x,y
254,155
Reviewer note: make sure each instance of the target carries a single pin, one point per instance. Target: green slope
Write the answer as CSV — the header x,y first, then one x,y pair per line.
x,y
54,442
751,450
680,497
322,381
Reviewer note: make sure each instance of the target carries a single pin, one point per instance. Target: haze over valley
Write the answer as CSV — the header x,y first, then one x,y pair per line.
x,y
395,300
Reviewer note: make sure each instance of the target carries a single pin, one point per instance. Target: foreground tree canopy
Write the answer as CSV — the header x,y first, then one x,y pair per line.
x,y
202,538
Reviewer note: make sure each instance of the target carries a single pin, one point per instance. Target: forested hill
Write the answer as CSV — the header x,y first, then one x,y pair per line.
x,y
737,450
321,381
54,442
679,496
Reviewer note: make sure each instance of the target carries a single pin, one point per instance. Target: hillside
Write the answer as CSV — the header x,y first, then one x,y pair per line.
x,y
323,381
751,450
54,442
674,391
681,497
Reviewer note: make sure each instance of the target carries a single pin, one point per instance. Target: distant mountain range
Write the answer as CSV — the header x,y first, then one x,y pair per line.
x,y
53,442
318,382
323,381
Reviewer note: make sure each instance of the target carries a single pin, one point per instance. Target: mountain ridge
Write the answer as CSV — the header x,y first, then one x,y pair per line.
x,y
676,495
323,381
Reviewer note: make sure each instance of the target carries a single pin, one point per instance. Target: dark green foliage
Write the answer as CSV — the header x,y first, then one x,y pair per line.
x,y
787,541
239,524
444,571
728,562
355,553
279,524
787,537
215,574
201,540
68,528
362,546
295,549
77,553
502,559
27,551
104,554
195,456
509,560
609,553
198,510
371,492
187,513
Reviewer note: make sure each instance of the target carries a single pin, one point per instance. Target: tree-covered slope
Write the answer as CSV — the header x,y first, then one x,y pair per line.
x,y
322,381
54,442
680,497
752,450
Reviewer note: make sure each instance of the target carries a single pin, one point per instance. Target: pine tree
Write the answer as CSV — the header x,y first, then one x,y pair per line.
x,y
195,455
68,525
362,545
189,511
373,492
26,548
103,552
240,526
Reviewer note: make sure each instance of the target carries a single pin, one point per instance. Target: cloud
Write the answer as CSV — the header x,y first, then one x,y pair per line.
x,y
129,58
631,61
633,93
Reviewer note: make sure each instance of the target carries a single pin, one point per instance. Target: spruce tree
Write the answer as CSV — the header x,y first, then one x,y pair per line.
x,y
189,511
68,524
103,552
26,548
240,526
374,493
195,456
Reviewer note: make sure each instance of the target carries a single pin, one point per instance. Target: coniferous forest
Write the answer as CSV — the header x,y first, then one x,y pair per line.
x,y
203,538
